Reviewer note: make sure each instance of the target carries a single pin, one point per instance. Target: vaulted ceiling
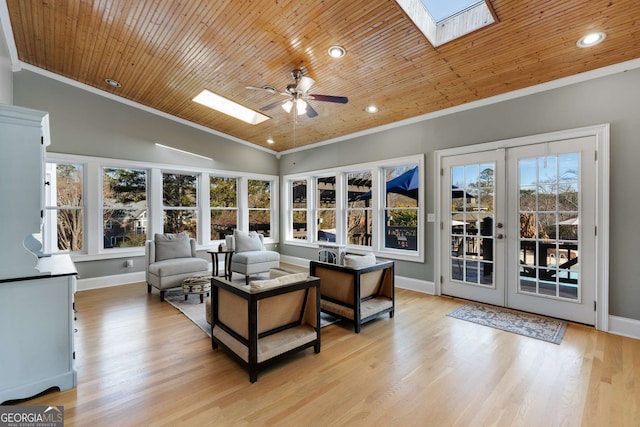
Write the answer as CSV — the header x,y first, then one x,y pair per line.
x,y
166,52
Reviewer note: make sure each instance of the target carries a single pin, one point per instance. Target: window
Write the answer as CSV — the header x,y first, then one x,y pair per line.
x,y
180,203
366,207
223,198
443,21
401,207
259,203
64,208
124,204
359,213
99,208
326,211
299,209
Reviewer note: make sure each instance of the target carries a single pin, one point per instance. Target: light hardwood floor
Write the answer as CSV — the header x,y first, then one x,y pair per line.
x,y
141,362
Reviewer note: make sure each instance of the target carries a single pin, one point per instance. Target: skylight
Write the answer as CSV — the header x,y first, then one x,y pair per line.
x,y
441,10
442,21
230,108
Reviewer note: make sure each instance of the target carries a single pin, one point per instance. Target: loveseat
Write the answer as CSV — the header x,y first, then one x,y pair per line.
x,y
359,291
171,258
266,320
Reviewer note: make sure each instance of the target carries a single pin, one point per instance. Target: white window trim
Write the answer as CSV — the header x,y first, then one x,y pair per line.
x,y
92,196
378,186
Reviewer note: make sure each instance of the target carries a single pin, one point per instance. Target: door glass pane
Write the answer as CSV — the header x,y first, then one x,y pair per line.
x,y
472,224
549,216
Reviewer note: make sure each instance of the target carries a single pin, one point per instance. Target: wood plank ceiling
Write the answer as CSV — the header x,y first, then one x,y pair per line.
x,y
166,52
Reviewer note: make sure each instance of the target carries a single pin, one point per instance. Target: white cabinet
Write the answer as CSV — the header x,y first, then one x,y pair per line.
x,y
36,331
36,294
24,134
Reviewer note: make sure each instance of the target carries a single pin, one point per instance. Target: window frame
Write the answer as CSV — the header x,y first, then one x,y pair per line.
x,y
49,232
195,209
290,214
93,204
109,225
235,208
378,205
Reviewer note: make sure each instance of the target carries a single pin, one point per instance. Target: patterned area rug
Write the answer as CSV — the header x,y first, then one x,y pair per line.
x,y
529,325
196,311
192,308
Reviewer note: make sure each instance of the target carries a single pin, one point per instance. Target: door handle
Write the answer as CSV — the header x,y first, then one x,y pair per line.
x,y
499,236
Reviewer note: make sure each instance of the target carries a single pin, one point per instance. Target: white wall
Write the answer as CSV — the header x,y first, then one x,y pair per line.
x,y
6,74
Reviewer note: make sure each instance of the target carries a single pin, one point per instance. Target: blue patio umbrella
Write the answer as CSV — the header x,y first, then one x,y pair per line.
x,y
406,184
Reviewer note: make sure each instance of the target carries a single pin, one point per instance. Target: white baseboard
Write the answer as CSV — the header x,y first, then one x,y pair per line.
x,y
624,327
300,262
109,281
422,286
417,285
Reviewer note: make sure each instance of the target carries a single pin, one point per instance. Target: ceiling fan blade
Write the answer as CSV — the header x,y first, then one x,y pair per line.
x,y
305,84
329,98
274,104
311,113
266,88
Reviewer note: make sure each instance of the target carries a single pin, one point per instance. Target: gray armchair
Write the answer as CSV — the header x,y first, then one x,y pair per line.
x,y
171,258
250,256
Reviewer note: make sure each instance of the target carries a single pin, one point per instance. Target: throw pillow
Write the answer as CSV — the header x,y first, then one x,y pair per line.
x,y
169,246
274,283
246,242
259,285
274,273
359,261
292,278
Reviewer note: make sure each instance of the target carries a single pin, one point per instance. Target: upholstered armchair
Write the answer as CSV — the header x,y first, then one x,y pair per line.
x,y
171,258
359,291
266,320
250,256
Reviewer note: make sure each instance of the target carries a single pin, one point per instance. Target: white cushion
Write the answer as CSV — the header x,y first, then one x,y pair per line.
x,y
292,278
170,246
359,261
245,242
280,281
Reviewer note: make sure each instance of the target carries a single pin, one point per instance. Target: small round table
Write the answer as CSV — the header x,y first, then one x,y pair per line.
x,y
227,261
196,285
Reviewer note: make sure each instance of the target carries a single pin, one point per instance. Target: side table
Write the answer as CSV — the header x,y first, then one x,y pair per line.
x,y
228,253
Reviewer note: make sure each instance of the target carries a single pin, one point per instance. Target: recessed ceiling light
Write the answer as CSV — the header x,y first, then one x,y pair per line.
x,y
371,109
233,109
112,82
591,39
337,51
270,141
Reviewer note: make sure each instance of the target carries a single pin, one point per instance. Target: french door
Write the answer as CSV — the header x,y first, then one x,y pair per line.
x,y
518,227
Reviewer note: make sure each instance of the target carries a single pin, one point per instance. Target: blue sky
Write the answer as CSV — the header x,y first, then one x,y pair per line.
x,y
442,9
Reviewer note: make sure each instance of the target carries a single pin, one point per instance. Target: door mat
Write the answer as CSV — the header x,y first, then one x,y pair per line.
x,y
529,325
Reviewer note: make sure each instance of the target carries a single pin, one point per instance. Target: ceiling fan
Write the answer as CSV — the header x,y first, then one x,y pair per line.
x,y
297,95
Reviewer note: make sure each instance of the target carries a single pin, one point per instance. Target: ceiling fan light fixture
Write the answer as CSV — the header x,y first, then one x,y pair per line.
x,y
301,106
337,51
287,106
591,39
